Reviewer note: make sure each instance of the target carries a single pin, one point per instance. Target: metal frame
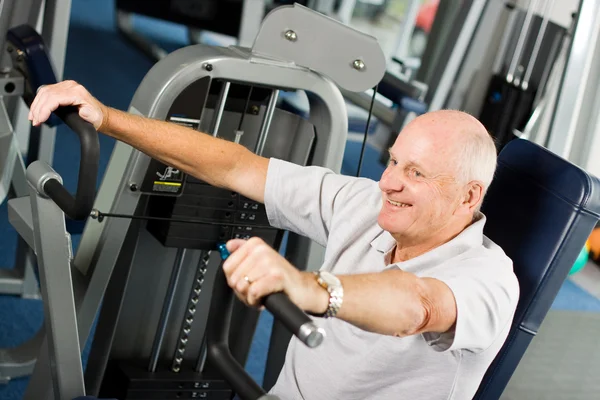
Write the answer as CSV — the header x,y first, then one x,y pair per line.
x,y
54,255
571,129
21,279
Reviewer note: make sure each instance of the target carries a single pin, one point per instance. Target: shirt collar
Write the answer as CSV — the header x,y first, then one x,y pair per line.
x,y
470,237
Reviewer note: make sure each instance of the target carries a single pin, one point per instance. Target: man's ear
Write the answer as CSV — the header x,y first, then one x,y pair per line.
x,y
472,198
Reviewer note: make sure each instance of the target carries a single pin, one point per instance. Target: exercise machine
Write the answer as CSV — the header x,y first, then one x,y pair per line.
x,y
147,258
25,61
50,202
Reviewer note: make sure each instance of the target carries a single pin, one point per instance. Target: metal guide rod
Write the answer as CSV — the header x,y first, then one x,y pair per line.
x,y
537,45
219,108
166,310
520,43
266,123
188,319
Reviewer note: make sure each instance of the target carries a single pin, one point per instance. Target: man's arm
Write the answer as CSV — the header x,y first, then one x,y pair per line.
x,y
397,303
218,162
392,302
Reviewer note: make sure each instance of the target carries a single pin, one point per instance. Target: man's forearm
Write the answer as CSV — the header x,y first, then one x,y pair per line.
x,y
213,160
395,303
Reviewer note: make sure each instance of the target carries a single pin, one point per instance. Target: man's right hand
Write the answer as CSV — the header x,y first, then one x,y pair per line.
x,y
67,93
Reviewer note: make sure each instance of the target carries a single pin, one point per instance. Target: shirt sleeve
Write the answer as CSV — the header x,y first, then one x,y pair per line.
x,y
304,200
486,293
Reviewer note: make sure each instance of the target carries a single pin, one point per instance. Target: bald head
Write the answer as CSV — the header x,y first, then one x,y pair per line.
x,y
462,141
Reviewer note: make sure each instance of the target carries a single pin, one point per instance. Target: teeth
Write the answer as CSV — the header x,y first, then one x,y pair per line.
x,y
398,204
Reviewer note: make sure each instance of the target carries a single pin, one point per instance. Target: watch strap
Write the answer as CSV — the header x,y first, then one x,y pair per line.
x,y
336,295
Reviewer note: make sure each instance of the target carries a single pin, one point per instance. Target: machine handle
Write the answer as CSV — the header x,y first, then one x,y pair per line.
x,y
217,333
294,319
80,206
289,314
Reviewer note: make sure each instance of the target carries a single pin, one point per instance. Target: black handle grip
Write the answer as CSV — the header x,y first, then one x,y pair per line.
x,y
290,315
80,206
294,319
217,332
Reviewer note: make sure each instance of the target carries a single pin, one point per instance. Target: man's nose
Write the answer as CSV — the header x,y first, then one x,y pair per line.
x,y
392,181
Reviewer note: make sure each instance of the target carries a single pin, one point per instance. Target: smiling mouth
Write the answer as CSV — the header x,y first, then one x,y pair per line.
x,y
398,204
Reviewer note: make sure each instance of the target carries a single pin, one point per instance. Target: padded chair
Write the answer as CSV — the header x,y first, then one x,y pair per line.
x,y
540,210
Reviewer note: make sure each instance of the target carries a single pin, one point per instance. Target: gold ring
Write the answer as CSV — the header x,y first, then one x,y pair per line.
x,y
247,279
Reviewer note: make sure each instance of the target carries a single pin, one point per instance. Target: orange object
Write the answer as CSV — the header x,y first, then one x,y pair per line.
x,y
593,244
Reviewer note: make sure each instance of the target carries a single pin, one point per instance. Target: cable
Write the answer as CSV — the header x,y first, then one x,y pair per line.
x,y
245,110
239,132
364,144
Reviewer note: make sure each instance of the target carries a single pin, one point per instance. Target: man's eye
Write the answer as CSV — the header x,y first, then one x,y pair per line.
x,y
416,173
392,162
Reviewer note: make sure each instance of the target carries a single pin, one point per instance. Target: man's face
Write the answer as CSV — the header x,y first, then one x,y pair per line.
x,y
419,186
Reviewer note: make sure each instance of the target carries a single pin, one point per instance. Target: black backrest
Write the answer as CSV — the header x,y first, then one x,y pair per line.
x,y
540,209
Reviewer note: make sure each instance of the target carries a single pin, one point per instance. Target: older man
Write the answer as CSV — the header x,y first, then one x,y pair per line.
x,y
415,299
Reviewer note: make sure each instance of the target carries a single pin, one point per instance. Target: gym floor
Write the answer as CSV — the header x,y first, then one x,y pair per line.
x,y
100,59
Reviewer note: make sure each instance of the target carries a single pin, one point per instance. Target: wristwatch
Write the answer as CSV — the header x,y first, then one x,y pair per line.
x,y
333,285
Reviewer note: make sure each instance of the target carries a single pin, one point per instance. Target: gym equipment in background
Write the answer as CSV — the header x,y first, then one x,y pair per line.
x,y
519,84
50,202
26,62
154,229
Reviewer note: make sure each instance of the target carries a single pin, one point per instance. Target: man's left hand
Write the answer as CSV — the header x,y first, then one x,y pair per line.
x,y
255,270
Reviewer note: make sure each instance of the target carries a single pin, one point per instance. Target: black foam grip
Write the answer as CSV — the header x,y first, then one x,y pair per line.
x,y
289,314
80,206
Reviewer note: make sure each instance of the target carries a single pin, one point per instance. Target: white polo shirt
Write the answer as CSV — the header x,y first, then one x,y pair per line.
x,y
340,212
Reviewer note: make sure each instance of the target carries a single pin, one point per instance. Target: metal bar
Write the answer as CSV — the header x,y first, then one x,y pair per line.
x,y
505,31
219,108
553,54
26,262
11,282
21,280
6,11
55,32
439,93
166,310
110,313
53,249
406,29
538,43
345,11
253,12
97,255
125,27
9,153
266,123
510,76
573,86
18,362
382,112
